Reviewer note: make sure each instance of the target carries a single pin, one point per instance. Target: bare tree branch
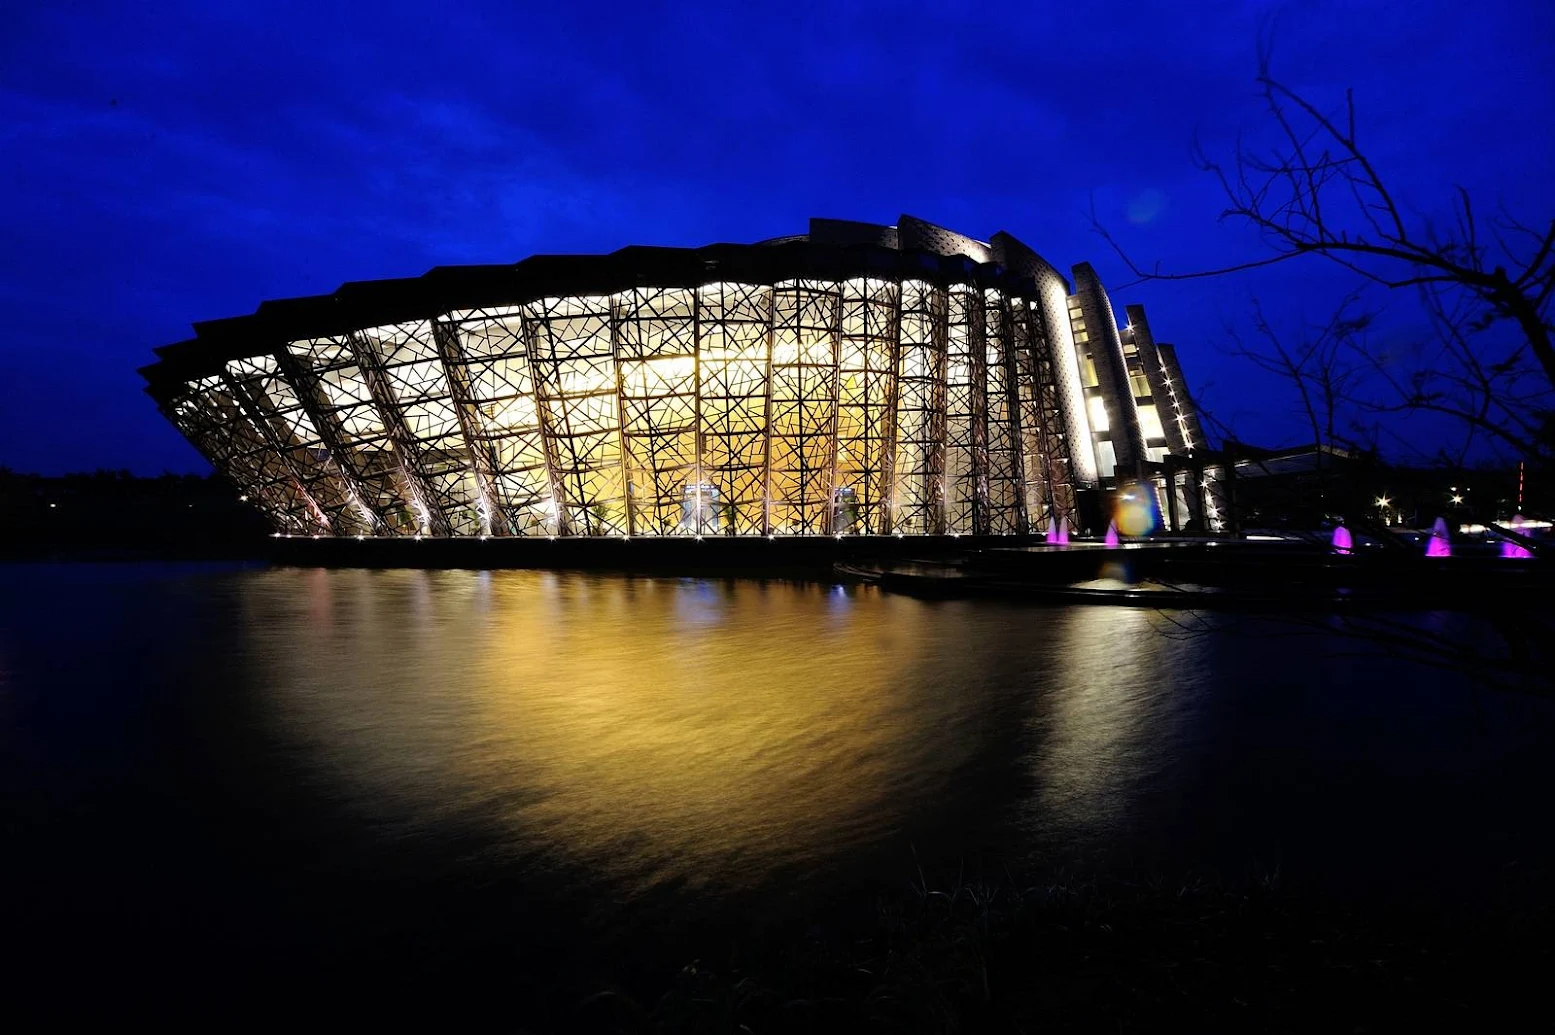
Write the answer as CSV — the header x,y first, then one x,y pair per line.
x,y
1317,192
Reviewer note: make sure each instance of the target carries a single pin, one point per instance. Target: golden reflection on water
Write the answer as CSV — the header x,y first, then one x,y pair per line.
x,y
672,719
664,730
1113,716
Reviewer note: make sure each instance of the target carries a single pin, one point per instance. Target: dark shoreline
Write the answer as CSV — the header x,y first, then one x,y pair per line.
x,y
1175,573
793,557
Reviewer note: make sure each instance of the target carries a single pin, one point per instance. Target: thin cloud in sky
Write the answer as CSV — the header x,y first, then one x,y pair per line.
x,y
169,162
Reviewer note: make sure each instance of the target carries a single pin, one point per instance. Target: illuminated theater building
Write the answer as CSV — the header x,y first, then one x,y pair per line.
x,y
855,380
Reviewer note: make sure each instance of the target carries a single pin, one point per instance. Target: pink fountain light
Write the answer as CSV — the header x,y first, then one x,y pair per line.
x,y
1063,531
1438,545
1052,532
1112,534
1516,550
1343,541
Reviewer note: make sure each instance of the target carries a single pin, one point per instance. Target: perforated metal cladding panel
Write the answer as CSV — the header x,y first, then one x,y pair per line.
x,y
844,232
1058,336
1184,413
917,235
1155,376
1213,488
1111,370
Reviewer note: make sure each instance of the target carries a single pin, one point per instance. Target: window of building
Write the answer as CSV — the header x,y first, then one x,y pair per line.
x,y
1150,423
1106,458
1098,411
1088,372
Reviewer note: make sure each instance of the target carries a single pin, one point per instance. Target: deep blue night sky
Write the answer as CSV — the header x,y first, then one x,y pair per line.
x,y
171,162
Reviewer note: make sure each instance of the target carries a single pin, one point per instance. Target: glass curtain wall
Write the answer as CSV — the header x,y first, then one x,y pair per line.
x,y
656,365
573,351
734,385
272,404
866,400
966,419
806,336
1006,508
809,407
334,387
210,417
919,503
492,383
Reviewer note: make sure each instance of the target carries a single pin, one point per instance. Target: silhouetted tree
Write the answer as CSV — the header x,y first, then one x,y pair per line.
x,y
1318,364
1487,362
1484,283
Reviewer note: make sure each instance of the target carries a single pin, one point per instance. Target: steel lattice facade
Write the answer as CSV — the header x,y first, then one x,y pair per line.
x,y
859,379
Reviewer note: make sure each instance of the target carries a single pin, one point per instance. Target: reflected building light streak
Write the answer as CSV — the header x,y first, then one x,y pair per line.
x,y
692,742
1110,717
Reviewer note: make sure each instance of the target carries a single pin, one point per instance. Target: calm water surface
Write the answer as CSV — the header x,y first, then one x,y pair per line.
x,y
287,764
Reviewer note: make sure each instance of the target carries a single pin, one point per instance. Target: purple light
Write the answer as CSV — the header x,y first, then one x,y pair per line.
x,y
1516,550
1063,531
1052,532
1438,545
1343,542
1112,534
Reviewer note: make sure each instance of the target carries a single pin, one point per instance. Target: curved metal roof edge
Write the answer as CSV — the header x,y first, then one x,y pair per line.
x,y
360,304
